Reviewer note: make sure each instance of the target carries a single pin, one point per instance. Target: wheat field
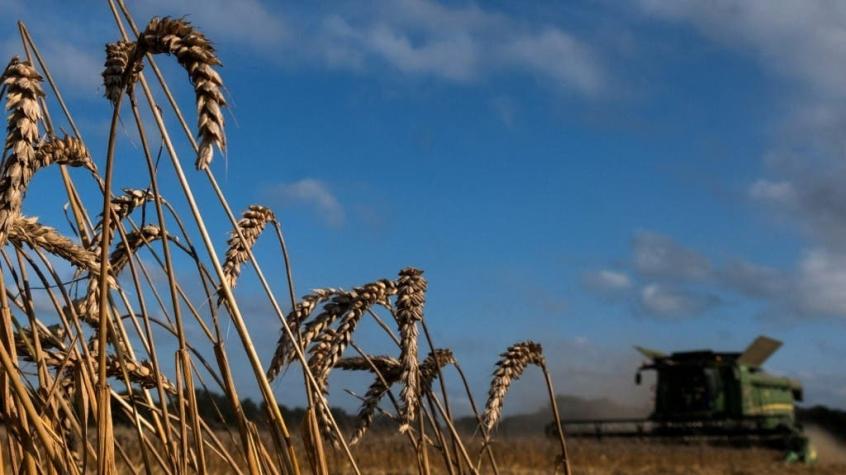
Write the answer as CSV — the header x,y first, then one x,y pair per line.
x,y
92,309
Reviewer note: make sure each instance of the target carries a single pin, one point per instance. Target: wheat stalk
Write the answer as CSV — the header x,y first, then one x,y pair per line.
x,y
252,223
197,55
509,368
411,296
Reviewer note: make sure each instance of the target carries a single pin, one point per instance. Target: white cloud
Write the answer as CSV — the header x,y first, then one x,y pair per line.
x,y
608,282
559,57
454,43
662,301
773,192
800,39
822,280
660,256
312,193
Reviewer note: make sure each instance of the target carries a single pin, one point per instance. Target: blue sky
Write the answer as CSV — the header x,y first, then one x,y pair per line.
x,y
589,174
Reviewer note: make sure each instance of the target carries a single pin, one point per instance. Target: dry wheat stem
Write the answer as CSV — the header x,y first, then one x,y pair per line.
x,y
509,368
197,55
411,296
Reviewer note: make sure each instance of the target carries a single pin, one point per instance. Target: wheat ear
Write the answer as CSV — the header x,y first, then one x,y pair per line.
x,y
67,150
119,258
411,296
360,299
125,204
118,56
251,224
434,361
384,364
23,88
88,307
375,392
29,230
197,55
509,368
302,310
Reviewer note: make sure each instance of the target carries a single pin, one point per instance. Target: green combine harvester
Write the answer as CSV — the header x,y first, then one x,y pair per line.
x,y
714,397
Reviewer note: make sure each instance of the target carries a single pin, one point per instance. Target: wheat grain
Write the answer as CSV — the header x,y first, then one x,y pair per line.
x,y
411,296
51,337
509,368
197,55
340,303
390,371
87,308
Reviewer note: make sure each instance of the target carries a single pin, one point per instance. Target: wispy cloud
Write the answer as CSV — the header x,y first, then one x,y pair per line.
x,y
657,255
607,282
311,193
666,279
455,43
673,302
